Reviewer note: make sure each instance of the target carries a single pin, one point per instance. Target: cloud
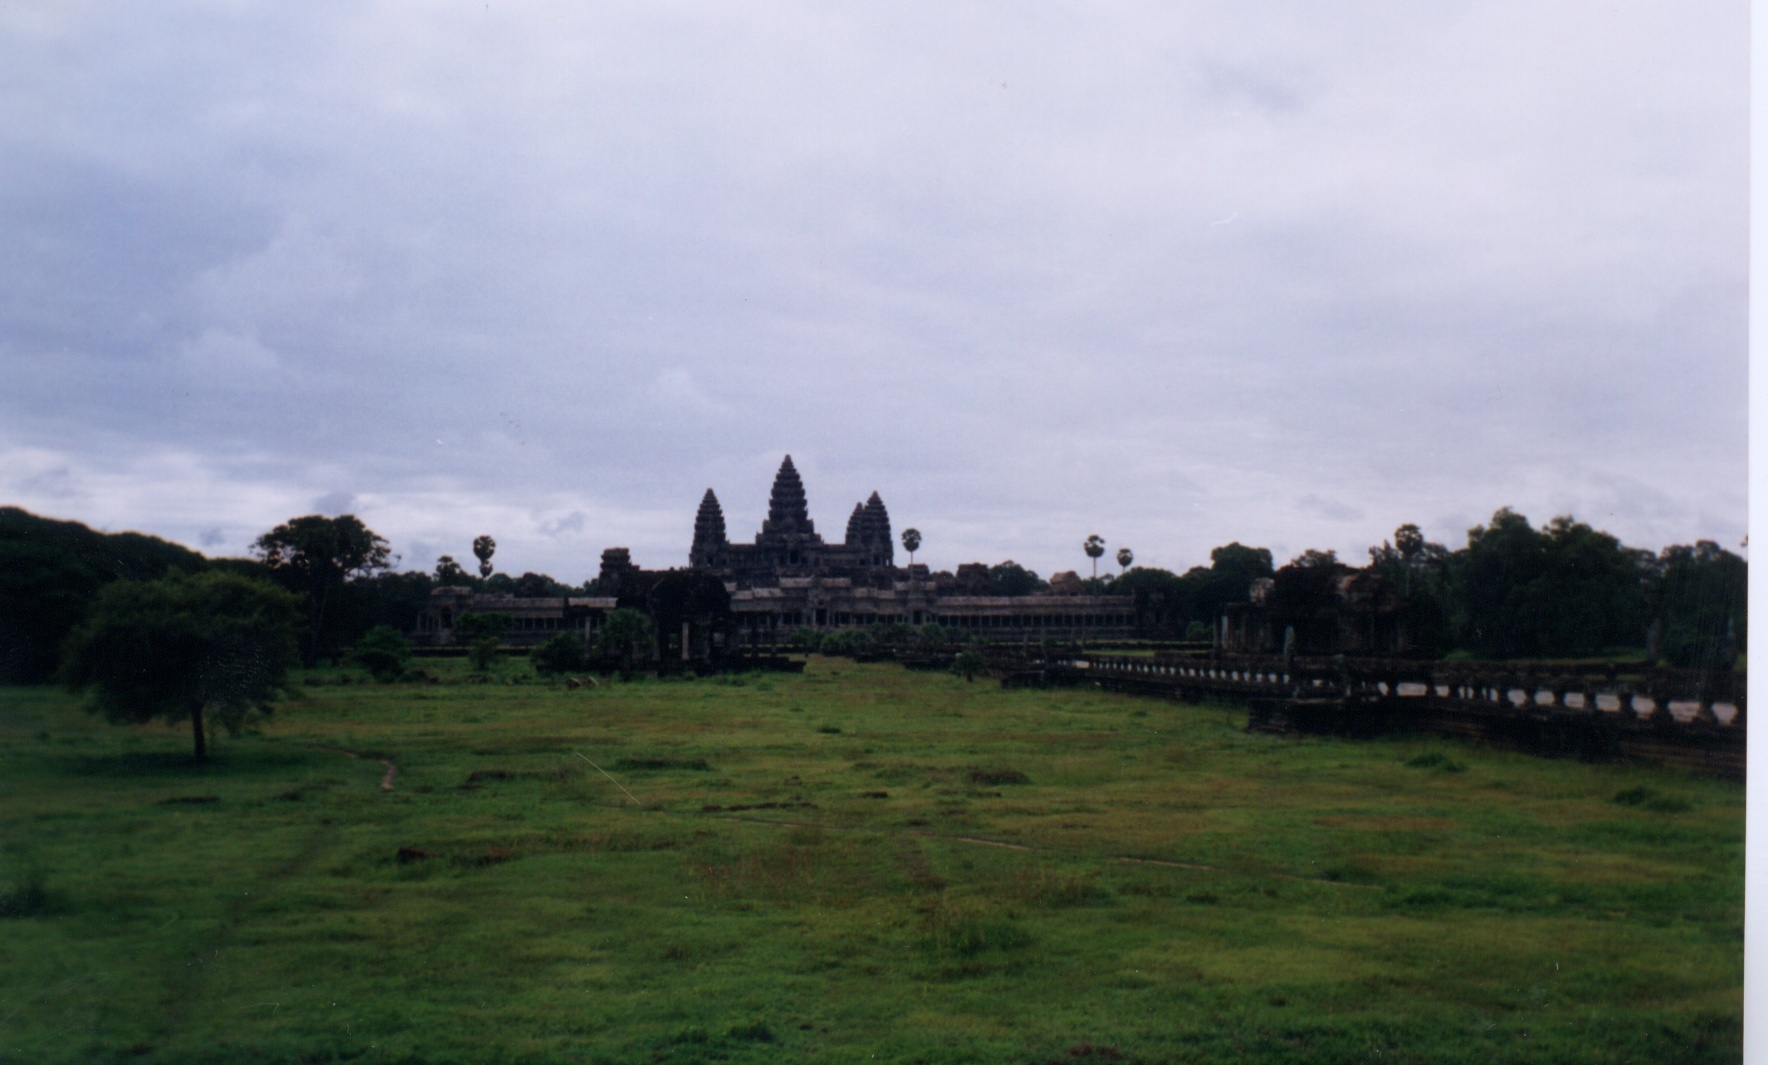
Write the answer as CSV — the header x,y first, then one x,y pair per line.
x,y
523,262
333,504
1329,510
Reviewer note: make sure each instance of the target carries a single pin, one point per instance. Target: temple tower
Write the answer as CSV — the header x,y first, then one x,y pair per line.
x,y
856,526
875,523
786,510
788,529
709,539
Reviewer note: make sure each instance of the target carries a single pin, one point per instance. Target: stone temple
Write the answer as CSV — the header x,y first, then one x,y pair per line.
x,y
788,578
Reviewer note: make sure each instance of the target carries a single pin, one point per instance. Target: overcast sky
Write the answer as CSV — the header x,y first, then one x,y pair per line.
x,y
1177,274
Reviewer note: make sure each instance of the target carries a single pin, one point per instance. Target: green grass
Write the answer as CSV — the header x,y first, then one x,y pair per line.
x,y
855,864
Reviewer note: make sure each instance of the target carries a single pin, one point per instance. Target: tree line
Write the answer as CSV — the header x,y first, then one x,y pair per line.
x,y
1513,590
1562,590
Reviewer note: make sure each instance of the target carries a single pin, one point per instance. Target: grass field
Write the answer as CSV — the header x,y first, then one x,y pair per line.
x,y
856,864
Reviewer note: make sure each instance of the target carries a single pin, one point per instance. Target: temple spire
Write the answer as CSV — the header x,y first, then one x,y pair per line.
x,y
786,509
708,531
876,525
857,526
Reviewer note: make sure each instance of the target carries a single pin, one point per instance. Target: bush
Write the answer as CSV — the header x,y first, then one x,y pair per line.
x,y
563,653
383,652
805,638
968,664
933,635
483,654
848,642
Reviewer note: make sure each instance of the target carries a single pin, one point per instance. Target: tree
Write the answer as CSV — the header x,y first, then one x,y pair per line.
x,y
563,653
1011,579
933,636
1416,571
539,586
624,635
483,548
316,555
49,572
911,542
449,573
1564,590
1312,559
1124,557
1228,579
967,664
182,647
485,630
383,652
1698,596
1094,547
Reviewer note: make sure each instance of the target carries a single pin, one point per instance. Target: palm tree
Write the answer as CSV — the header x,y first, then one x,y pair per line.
x,y
484,547
911,542
1094,547
1124,557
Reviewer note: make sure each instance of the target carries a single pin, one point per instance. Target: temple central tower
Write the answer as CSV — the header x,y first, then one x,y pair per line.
x,y
788,544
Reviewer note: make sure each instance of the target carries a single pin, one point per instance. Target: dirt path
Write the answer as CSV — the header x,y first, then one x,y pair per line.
x,y
392,770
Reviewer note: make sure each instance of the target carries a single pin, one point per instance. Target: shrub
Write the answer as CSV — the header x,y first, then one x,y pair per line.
x,y
486,633
483,654
848,642
968,664
564,653
1436,760
383,652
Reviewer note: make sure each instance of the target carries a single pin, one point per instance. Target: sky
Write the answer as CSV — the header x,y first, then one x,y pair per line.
x,y
1287,274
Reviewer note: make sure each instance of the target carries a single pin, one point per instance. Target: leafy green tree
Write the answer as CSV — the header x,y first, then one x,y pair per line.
x,y
483,548
1228,579
184,647
967,664
1095,549
1011,579
892,633
1312,559
1699,597
564,653
49,573
383,652
933,635
911,542
1565,590
449,573
1417,571
484,631
847,642
1124,557
315,555
393,599
624,636
539,586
